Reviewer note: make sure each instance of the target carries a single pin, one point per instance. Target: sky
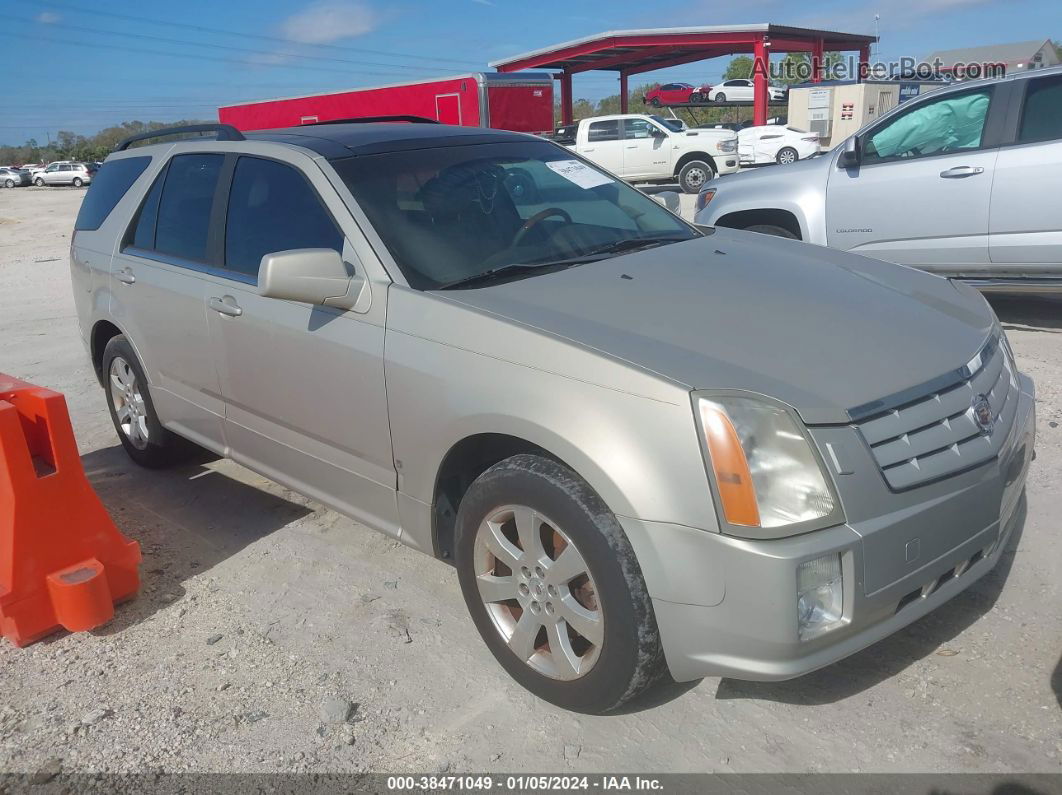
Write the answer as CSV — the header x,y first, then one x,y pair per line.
x,y
83,65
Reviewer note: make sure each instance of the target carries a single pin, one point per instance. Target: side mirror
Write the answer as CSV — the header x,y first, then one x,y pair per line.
x,y
669,199
316,276
656,132
852,154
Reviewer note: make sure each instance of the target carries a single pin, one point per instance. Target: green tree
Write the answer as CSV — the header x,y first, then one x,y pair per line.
x,y
739,68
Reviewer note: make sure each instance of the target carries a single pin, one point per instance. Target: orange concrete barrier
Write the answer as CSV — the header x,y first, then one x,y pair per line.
x,y
63,562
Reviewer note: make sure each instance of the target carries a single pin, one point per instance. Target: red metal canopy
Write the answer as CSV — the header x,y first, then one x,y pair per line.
x,y
631,52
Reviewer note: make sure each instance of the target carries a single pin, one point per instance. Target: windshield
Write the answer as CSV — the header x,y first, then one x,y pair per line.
x,y
450,213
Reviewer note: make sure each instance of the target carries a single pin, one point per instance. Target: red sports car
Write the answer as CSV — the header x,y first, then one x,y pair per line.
x,y
670,94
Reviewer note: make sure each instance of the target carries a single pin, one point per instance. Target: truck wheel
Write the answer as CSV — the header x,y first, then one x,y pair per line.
x,y
771,229
787,154
133,412
693,175
554,588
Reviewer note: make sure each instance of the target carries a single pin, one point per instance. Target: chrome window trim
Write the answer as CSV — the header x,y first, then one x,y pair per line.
x,y
189,265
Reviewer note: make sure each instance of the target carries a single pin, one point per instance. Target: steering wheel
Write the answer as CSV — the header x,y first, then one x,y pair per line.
x,y
534,220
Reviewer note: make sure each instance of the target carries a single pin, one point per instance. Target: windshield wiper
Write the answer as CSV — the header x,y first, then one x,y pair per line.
x,y
512,269
602,252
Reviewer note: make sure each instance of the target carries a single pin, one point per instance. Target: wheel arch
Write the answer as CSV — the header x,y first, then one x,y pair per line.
x,y
776,216
690,156
103,331
472,455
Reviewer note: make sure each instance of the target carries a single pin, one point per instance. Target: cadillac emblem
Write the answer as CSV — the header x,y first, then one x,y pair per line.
x,y
982,414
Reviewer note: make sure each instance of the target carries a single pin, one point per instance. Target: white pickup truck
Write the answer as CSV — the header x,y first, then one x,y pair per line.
x,y
642,148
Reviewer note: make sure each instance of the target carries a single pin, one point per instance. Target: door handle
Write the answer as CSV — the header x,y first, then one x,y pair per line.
x,y
125,276
226,306
961,171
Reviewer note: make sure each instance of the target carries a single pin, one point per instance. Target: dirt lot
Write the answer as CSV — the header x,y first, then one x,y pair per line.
x,y
273,634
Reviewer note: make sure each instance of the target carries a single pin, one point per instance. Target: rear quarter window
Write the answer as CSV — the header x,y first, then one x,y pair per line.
x,y
107,189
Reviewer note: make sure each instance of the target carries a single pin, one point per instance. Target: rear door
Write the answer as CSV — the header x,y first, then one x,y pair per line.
x,y
1026,220
604,145
921,193
159,295
303,385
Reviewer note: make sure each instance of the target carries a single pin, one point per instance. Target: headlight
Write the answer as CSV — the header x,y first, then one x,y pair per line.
x,y
704,197
767,474
728,146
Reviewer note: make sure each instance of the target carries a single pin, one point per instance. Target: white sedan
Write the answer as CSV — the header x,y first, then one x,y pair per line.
x,y
741,91
775,144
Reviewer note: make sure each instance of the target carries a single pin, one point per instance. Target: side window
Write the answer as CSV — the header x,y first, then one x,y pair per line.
x,y
52,168
1041,118
185,204
273,207
65,168
110,185
604,131
143,233
637,128
950,124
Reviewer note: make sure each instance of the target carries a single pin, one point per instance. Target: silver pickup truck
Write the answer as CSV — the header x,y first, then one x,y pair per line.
x,y
962,182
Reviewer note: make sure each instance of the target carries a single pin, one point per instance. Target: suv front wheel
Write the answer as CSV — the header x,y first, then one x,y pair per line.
x,y
554,588
132,410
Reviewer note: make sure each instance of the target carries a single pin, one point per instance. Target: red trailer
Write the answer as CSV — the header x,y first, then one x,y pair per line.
x,y
519,102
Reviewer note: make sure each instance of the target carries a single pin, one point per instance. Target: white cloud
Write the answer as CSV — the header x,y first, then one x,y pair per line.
x,y
328,21
48,17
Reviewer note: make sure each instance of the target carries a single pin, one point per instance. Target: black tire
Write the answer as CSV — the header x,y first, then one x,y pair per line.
x,y
720,97
787,154
39,182
162,448
629,659
78,182
772,229
696,98
694,175
655,102
9,183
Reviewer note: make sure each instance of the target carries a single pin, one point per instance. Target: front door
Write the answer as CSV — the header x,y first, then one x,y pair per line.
x,y
646,150
921,193
303,385
1026,224
158,293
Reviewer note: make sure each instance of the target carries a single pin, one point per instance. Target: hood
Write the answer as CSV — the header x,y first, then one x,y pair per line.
x,y
821,330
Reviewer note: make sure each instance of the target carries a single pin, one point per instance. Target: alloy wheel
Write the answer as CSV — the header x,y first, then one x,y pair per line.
x,y
538,592
128,402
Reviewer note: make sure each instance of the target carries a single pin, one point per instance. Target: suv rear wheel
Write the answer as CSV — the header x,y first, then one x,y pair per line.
x,y
132,410
554,588
78,182
39,182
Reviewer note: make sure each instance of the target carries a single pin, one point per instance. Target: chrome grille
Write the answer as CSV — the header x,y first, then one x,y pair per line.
x,y
935,434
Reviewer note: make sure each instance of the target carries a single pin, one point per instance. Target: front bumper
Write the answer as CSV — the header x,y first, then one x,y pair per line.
x,y
727,162
726,606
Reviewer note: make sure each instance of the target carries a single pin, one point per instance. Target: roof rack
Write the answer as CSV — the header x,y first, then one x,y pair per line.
x,y
225,132
370,119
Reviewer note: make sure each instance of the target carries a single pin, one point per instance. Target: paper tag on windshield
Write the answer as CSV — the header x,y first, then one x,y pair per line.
x,y
579,173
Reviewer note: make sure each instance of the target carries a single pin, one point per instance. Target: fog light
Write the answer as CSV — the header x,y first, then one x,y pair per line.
x,y
820,596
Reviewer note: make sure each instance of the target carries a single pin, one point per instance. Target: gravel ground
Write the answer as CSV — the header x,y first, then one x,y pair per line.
x,y
273,634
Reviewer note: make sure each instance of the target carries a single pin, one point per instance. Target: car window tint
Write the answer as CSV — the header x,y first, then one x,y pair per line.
x,y
604,131
273,207
107,189
144,231
184,209
950,124
1041,120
